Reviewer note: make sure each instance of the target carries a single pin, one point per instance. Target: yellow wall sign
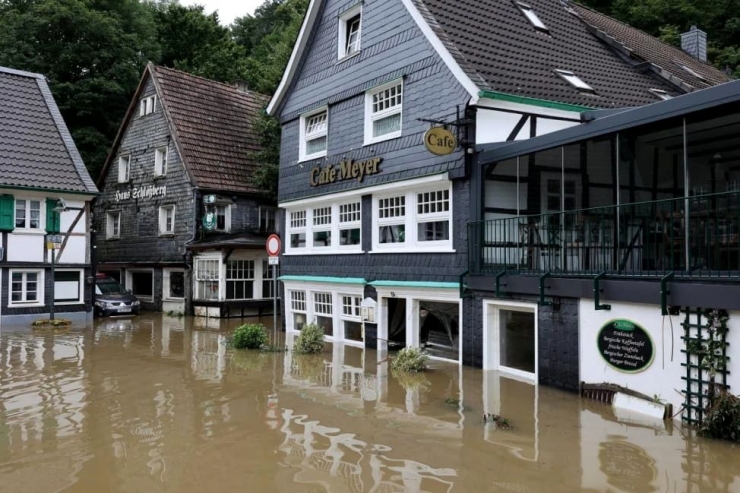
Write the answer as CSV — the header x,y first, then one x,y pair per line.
x,y
440,141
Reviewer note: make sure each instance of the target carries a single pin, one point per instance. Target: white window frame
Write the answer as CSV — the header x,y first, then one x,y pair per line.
x,y
163,231
197,278
344,25
160,161
492,338
110,218
304,136
40,287
130,282
81,287
334,228
574,80
532,17
246,268
337,291
227,217
355,307
411,220
166,279
349,225
371,117
148,105
293,227
27,215
124,168
321,213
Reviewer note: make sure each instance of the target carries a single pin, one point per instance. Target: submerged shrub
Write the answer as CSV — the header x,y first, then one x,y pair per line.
x,y
249,336
722,420
310,340
412,380
410,359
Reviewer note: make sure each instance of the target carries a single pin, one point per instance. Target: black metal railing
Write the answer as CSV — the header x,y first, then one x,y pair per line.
x,y
691,237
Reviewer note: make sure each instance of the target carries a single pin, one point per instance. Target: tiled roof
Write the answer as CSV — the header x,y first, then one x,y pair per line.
x,y
500,50
36,149
653,50
214,127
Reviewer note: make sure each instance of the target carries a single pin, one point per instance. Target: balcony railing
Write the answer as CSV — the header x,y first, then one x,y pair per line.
x,y
692,237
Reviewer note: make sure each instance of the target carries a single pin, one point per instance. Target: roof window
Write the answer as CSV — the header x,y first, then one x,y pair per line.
x,y
575,81
661,94
692,72
531,16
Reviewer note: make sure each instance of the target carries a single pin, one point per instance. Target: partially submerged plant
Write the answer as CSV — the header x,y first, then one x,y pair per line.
x,y
498,421
249,336
57,322
410,360
722,419
310,340
412,380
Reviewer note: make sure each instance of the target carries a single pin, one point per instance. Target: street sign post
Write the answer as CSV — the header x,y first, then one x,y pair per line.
x,y
273,247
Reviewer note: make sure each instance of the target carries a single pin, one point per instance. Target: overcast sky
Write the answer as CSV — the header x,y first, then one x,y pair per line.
x,y
228,10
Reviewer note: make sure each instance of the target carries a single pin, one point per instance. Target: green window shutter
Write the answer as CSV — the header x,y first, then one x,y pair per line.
x,y
7,206
52,218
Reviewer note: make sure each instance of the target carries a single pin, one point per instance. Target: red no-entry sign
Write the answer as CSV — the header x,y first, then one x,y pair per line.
x,y
273,245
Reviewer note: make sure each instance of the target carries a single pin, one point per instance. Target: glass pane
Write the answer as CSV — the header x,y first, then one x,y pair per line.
x,y
349,237
392,234
387,125
177,285
316,145
439,328
299,320
298,240
436,231
326,323
322,239
516,340
353,331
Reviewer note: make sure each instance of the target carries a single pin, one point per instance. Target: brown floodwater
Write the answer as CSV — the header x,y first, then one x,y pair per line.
x,y
155,403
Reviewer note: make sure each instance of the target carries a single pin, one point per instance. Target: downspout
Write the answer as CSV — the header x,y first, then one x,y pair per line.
x,y
186,256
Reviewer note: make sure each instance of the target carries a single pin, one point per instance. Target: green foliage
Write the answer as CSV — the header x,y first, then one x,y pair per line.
x,y
710,350
410,360
310,340
416,381
722,420
57,322
498,421
249,336
310,366
266,176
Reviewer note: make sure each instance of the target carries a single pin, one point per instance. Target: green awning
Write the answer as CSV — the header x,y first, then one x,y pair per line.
x,y
332,280
415,284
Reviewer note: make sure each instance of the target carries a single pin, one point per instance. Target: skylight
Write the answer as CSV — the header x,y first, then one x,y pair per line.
x,y
690,71
531,16
661,94
574,80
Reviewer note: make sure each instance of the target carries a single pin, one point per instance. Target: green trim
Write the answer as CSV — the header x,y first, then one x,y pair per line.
x,y
415,284
333,280
543,103
46,190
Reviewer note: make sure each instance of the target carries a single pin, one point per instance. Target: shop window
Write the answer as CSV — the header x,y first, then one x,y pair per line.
x,y
323,310
240,279
28,214
68,286
142,284
26,287
298,309
174,284
439,328
207,277
350,316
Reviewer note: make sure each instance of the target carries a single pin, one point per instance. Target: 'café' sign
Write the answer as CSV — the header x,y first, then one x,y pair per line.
x,y
626,346
345,170
145,192
440,141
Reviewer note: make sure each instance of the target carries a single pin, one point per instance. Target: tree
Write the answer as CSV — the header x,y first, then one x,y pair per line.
x,y
91,51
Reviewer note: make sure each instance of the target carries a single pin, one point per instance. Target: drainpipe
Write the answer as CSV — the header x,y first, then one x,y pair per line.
x,y
185,252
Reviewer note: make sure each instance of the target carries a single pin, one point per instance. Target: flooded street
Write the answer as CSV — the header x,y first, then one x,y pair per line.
x,y
156,403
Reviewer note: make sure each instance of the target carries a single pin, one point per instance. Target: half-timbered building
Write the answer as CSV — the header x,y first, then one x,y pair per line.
x,y
180,221
376,213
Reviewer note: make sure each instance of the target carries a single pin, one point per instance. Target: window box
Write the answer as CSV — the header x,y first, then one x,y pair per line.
x,y
314,135
383,112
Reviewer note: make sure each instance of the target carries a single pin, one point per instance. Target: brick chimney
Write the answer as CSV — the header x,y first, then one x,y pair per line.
x,y
694,43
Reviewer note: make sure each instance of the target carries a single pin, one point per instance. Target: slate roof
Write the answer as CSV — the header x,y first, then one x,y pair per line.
x,y
500,50
214,126
36,149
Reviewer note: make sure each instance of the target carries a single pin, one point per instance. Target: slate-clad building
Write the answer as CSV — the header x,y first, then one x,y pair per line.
x,y
371,215
44,189
179,219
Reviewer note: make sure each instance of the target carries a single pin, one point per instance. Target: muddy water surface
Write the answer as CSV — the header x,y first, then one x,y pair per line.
x,y
155,403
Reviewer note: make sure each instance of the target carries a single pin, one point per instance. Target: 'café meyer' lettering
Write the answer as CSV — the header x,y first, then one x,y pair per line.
x,y
345,170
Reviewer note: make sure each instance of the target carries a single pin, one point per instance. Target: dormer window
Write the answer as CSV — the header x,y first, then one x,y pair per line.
x,y
350,27
660,93
575,81
148,105
531,16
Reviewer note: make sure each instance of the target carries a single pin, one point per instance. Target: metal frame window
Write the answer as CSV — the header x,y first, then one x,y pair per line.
x,y
167,220
207,275
240,279
124,168
350,224
160,161
26,287
113,224
314,134
28,214
384,112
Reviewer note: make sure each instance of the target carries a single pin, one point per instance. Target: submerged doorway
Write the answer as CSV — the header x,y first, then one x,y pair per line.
x,y
511,339
396,322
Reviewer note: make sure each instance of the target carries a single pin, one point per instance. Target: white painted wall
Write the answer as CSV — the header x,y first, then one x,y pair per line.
x,y
496,126
546,126
663,377
26,247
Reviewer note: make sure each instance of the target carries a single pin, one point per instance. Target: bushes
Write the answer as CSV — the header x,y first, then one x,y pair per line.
x,y
723,418
410,359
310,340
249,336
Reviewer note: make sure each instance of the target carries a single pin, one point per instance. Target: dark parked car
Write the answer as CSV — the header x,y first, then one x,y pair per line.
x,y
112,299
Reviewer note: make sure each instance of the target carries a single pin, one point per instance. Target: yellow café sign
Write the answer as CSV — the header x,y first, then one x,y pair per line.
x,y
440,141
345,170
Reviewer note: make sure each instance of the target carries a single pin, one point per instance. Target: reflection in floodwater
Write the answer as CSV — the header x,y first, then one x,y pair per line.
x,y
155,403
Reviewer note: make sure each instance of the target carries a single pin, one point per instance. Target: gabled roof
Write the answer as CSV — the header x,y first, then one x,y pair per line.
x,y
490,45
36,149
212,124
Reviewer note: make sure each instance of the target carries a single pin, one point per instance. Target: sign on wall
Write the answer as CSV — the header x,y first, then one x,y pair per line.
x,y
626,346
345,170
145,192
440,141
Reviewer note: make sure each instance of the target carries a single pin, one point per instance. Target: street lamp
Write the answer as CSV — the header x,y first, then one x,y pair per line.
x,y
55,240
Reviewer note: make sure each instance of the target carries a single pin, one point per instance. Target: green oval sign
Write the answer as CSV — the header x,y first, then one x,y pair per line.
x,y
209,221
626,346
